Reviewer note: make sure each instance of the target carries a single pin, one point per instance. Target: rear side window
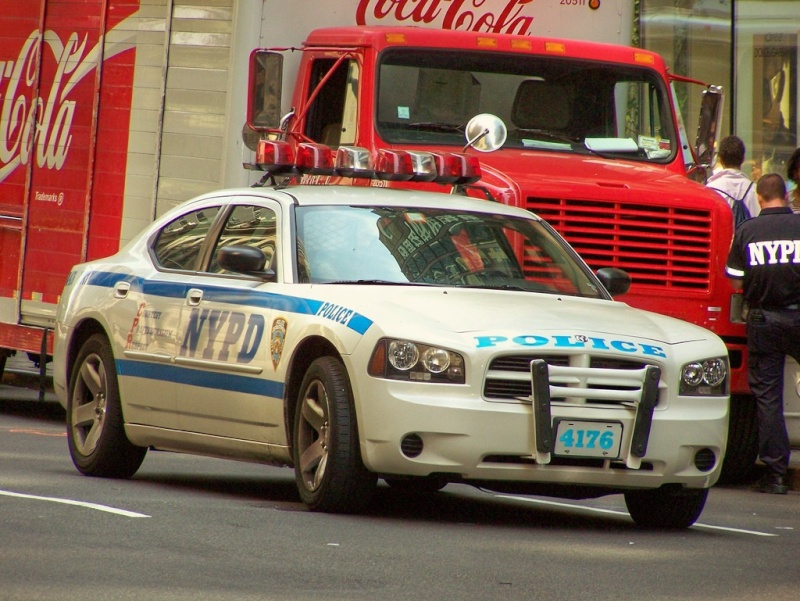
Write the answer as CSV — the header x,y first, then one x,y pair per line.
x,y
179,243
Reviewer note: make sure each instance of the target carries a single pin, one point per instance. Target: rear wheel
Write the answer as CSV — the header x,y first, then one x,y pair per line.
x,y
95,430
667,508
328,468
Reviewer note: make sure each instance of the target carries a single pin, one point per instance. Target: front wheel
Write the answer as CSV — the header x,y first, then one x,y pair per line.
x,y
666,508
95,430
329,472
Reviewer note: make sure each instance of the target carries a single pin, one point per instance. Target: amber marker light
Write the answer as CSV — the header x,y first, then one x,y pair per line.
x,y
641,57
484,42
378,361
521,45
396,38
555,47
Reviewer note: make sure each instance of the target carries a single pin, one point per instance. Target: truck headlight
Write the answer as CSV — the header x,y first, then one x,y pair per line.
x,y
415,362
708,377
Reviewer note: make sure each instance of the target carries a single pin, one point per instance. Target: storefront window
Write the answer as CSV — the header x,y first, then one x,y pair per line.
x,y
694,37
749,47
767,82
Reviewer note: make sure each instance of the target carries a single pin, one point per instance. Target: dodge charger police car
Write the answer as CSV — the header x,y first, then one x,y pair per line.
x,y
358,333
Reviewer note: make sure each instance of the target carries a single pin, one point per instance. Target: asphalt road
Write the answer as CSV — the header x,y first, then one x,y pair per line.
x,y
190,528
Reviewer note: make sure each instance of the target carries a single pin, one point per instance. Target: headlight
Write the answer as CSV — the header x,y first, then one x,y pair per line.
x,y
705,378
412,361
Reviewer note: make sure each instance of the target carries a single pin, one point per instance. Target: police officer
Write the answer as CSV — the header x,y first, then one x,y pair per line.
x,y
765,260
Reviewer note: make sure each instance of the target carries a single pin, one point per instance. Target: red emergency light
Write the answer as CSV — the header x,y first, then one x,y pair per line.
x,y
315,159
273,156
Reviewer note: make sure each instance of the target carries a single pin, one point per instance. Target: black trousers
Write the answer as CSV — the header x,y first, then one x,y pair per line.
x,y
771,336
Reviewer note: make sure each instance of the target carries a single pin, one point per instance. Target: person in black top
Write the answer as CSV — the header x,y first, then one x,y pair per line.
x,y
765,260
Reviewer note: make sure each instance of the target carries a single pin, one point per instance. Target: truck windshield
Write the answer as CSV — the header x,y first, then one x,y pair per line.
x,y
396,245
426,97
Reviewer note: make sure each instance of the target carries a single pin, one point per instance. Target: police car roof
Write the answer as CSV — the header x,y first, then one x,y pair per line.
x,y
319,195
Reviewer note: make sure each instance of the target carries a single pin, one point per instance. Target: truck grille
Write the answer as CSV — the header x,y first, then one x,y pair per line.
x,y
660,247
509,377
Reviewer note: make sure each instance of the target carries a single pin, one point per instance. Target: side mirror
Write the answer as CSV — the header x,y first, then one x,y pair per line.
x,y
616,281
264,90
485,133
709,125
248,260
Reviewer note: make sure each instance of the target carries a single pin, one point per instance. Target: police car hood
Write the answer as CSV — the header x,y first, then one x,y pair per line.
x,y
399,311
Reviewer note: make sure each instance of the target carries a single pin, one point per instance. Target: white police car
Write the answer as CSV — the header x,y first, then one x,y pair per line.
x,y
358,333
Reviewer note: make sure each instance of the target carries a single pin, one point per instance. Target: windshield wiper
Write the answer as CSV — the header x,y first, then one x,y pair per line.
x,y
376,283
435,126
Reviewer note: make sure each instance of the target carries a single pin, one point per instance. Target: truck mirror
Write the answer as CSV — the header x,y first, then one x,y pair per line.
x,y
709,125
485,132
265,88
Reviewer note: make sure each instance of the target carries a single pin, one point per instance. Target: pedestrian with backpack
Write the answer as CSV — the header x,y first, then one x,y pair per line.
x,y
731,183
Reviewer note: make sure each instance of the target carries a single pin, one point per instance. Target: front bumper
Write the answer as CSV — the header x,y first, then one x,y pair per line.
x,y
468,439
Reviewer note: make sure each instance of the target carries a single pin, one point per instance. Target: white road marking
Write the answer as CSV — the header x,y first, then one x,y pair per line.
x,y
106,508
615,512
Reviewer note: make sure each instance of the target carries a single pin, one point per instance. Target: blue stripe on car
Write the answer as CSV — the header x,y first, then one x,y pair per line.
x,y
196,377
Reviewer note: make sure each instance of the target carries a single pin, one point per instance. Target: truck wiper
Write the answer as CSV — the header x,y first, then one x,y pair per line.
x,y
436,126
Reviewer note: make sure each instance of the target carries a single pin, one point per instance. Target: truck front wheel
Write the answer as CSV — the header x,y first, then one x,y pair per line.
x,y
742,448
666,508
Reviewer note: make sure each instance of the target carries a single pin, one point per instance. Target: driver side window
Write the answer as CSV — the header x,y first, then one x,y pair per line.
x,y
248,225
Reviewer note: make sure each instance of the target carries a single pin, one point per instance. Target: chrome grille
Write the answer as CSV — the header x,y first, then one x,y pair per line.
x,y
660,247
509,376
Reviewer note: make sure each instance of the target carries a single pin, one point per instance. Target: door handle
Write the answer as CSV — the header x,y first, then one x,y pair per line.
x,y
194,297
121,289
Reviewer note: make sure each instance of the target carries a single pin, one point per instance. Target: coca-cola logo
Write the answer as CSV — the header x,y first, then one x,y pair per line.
x,y
36,124
488,16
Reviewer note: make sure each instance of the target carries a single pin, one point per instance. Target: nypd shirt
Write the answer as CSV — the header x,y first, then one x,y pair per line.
x,y
765,253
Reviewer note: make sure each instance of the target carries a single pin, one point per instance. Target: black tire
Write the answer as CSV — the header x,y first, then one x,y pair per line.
x,y
666,508
741,453
416,486
95,431
329,472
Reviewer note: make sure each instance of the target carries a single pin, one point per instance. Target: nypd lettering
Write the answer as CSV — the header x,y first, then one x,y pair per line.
x,y
335,313
571,342
226,334
773,252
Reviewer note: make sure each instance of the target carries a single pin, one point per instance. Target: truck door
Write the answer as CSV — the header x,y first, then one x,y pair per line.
x,y
333,101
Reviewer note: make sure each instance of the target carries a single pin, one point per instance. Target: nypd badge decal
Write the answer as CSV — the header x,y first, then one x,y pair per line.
x,y
277,339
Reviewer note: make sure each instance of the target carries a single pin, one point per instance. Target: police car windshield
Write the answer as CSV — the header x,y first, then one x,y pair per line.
x,y
441,247
549,103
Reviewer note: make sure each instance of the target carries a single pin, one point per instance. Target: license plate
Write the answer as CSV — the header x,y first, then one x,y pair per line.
x,y
576,438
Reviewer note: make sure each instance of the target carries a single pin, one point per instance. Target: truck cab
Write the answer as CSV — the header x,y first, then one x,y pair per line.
x,y
595,145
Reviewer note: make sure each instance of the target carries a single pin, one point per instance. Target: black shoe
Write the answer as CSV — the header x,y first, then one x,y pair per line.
x,y
772,484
